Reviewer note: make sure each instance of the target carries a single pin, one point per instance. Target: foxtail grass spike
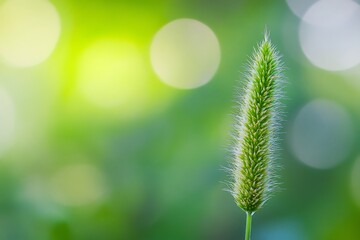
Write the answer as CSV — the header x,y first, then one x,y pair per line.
x,y
257,121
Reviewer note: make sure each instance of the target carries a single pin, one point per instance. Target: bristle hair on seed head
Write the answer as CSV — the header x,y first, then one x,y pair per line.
x,y
257,118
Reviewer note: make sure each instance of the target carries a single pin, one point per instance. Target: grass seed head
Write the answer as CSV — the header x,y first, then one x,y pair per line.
x,y
257,120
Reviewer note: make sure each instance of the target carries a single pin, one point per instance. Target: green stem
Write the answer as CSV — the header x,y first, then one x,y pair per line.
x,y
248,225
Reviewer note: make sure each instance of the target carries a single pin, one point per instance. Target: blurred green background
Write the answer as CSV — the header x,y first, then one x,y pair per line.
x,y
115,118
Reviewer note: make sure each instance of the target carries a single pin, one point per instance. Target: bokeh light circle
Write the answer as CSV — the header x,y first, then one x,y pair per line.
x,y
111,74
29,31
355,181
78,184
330,34
300,7
185,53
322,134
7,121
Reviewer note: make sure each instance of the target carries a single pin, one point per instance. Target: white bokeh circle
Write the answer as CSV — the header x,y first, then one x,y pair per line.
x,y
185,53
322,134
330,34
299,7
29,31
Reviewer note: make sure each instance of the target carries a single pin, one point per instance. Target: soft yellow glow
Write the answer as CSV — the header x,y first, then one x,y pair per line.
x,y
111,74
185,53
7,121
29,31
78,184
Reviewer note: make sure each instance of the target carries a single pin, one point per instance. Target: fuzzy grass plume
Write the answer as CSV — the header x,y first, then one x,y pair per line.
x,y
256,132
